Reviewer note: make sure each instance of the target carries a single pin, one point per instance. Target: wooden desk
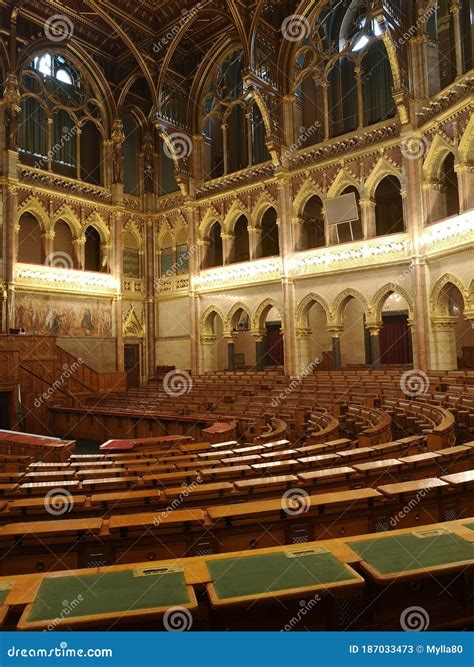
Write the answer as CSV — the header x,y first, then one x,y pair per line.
x,y
153,520
271,466
49,528
325,475
146,497
412,488
126,596
264,483
387,465
463,479
225,472
41,487
213,490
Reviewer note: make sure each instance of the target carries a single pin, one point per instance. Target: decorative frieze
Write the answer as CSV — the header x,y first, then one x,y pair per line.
x,y
54,279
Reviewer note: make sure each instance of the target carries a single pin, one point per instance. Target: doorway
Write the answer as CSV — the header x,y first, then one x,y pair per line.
x,y
395,340
6,410
273,341
132,365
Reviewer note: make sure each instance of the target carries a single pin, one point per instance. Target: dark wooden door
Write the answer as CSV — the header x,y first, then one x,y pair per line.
x,y
132,365
274,354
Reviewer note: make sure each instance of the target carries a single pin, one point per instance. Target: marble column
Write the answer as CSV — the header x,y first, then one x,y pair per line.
x,y
465,173
369,227
375,346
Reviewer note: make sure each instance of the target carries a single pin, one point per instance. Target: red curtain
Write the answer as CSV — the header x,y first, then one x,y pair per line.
x,y
395,345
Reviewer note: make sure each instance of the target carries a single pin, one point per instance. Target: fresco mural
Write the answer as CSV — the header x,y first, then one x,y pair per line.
x,y
59,316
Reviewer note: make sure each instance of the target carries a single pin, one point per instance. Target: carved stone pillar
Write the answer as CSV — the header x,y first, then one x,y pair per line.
x,y
259,351
336,333
79,251
444,334
225,148
369,227
298,233
208,354
47,240
118,304
227,248
203,253
465,174
255,242
434,201
12,229
303,350
197,160
455,11
150,299
374,330
285,235
230,351
360,97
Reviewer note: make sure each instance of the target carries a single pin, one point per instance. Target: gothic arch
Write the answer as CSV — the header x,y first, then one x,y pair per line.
x,y
264,202
96,221
234,310
305,305
164,229
439,149
235,212
35,207
438,308
466,145
207,222
206,322
66,213
258,319
381,170
379,298
307,190
344,179
341,301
